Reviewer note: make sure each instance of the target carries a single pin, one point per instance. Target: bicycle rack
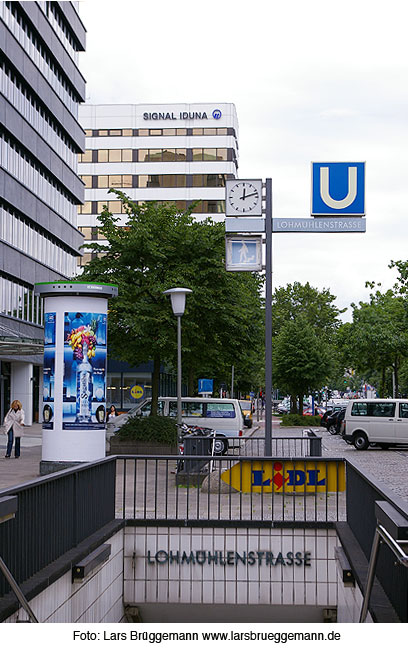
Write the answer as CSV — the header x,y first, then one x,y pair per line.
x,y
391,526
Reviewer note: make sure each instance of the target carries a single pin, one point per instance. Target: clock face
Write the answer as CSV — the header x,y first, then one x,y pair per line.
x,y
244,197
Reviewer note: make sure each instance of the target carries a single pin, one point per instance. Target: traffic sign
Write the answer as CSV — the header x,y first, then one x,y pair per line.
x,y
338,189
205,385
243,253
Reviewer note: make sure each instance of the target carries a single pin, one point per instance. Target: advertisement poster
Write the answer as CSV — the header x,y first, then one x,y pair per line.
x,y
84,381
49,370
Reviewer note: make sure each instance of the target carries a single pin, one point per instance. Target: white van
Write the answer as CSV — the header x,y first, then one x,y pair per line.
x,y
223,415
382,422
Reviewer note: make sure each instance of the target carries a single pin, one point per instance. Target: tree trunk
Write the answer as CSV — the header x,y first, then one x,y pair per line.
x,y
382,386
190,382
293,404
300,404
155,385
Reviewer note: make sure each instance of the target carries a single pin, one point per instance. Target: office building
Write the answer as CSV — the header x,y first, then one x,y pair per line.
x,y
40,91
181,153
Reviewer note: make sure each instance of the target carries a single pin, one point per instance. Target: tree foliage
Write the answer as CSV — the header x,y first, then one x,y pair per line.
x,y
304,322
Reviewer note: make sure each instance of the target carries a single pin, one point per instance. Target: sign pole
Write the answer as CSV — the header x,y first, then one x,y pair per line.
x,y
268,319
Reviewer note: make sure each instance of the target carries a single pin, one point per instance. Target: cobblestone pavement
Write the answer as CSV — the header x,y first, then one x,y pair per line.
x,y
390,467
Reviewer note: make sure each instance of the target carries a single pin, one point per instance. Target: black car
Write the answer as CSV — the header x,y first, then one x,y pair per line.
x,y
333,422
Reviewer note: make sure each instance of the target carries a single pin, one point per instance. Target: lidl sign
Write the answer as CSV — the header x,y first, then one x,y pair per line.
x,y
137,392
286,476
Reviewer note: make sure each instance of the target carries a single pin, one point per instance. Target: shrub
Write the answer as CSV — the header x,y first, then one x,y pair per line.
x,y
155,428
295,420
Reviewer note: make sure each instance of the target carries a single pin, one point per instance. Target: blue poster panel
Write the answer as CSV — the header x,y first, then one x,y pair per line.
x,y
84,380
49,370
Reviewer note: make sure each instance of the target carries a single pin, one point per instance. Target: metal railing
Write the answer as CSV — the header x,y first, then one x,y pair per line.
x,y
55,513
251,489
308,444
362,494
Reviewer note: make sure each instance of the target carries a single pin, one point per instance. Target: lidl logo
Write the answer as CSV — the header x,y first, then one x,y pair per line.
x,y
137,392
286,476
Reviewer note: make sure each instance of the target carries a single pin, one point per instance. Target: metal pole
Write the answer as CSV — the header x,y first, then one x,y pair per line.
x,y
17,591
232,381
268,319
179,417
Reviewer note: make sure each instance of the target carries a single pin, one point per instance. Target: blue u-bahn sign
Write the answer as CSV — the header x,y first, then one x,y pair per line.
x,y
338,188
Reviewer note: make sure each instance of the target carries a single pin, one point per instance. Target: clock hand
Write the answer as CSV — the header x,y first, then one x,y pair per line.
x,y
253,194
243,197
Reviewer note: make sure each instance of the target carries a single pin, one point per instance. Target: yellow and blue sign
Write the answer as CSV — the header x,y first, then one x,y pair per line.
x,y
286,476
137,391
338,189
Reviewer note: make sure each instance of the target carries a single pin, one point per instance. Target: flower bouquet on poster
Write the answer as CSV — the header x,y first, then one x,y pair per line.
x,y
84,387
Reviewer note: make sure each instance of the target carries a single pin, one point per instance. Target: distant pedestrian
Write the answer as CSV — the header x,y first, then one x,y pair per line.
x,y
111,414
13,427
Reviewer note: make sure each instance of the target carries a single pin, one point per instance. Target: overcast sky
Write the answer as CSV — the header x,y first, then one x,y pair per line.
x,y
311,81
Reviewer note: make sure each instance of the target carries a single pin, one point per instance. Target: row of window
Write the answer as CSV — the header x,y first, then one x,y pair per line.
x,y
17,162
17,232
19,301
147,132
20,96
152,155
60,28
15,21
116,207
379,409
153,180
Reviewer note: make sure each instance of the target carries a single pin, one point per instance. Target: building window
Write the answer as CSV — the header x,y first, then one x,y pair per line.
x,y
162,155
114,155
210,154
115,180
85,157
87,181
162,180
209,180
210,207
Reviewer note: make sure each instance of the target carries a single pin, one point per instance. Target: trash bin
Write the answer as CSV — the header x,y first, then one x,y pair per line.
x,y
196,446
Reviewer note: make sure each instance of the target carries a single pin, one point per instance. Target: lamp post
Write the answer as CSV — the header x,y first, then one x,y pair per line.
x,y
178,303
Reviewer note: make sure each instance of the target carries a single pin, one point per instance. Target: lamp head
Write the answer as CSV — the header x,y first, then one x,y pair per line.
x,y
178,299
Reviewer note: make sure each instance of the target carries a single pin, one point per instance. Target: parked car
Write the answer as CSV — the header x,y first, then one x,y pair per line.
x,y
247,410
382,422
334,420
223,415
331,410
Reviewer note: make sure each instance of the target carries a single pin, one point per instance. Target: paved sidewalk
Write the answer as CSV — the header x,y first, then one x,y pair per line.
x,y
26,468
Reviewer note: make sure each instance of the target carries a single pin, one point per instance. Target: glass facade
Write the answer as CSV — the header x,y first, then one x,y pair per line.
x,y
18,301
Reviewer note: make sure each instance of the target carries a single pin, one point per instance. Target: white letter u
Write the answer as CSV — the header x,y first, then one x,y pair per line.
x,y
352,189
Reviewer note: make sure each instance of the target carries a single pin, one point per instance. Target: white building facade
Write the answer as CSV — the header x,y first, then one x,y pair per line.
x,y
180,153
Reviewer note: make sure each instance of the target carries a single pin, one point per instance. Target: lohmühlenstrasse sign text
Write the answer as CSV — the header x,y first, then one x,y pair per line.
x,y
319,224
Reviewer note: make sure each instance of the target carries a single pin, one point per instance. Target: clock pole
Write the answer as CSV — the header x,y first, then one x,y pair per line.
x,y
268,318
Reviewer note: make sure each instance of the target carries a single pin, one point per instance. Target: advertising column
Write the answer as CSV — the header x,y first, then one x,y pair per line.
x,y
75,357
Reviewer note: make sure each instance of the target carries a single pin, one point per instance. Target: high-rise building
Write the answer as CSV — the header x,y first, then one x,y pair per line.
x,y
181,153
40,91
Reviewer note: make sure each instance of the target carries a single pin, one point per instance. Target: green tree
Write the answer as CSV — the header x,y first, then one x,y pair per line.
x,y
304,305
377,339
160,248
300,360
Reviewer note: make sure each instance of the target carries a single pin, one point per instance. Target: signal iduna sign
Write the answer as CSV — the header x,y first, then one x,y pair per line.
x,y
286,476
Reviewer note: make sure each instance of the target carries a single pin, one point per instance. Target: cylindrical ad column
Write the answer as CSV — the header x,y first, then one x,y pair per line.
x,y
74,374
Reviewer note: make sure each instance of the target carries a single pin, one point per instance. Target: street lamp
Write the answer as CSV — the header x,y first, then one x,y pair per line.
x,y
178,303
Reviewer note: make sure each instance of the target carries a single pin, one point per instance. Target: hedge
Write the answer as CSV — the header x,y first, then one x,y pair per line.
x,y
295,420
152,428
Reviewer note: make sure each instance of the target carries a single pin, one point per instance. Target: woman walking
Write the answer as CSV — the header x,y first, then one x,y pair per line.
x,y
13,427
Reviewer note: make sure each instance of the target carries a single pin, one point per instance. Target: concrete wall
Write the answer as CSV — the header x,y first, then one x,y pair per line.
x,y
98,599
149,581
